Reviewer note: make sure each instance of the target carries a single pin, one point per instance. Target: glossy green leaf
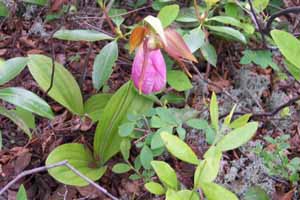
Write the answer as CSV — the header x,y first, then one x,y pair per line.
x,y
65,89
11,68
238,137
288,45
21,195
178,80
27,117
248,28
121,168
95,105
26,100
168,14
240,121
208,169
4,12
233,33
146,156
295,71
179,149
214,112
155,23
256,193
10,114
81,35
155,188
214,191
103,64
165,173
209,53
125,148
125,101
80,157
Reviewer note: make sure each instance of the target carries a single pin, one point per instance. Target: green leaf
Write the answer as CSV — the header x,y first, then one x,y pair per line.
x,y
288,45
165,173
179,149
178,80
3,11
146,157
81,35
214,191
172,98
155,188
156,141
208,169
214,112
125,148
95,105
80,157
65,89
155,23
238,137
248,28
125,101
188,195
26,100
195,39
172,195
256,193
295,71
10,114
103,64
168,14
27,116
115,15
228,118
263,58
126,129
241,121
260,5
11,68
121,168
21,195
37,2
209,53
233,33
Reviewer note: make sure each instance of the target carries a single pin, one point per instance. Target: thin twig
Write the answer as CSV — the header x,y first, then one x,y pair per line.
x,y
257,22
58,164
286,11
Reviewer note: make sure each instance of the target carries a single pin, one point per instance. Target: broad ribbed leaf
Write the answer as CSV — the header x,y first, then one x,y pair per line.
x,y
26,100
81,35
11,68
65,89
95,105
214,191
80,157
10,114
126,100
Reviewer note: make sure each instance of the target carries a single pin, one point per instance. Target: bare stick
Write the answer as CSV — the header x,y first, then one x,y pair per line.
x,y
59,164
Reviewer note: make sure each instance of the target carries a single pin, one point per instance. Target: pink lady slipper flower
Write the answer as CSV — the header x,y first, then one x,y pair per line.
x,y
148,69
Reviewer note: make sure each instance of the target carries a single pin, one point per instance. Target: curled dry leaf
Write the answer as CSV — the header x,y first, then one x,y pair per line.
x,y
136,37
176,47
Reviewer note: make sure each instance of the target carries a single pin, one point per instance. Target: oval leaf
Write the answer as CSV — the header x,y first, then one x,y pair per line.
x,y
179,149
165,173
81,35
288,45
146,157
155,188
65,89
121,168
214,191
168,14
233,33
103,64
80,157
238,137
178,80
11,68
26,100
126,100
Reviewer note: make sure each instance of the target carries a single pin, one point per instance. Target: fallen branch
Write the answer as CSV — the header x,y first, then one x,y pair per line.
x,y
59,164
